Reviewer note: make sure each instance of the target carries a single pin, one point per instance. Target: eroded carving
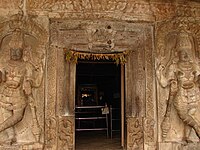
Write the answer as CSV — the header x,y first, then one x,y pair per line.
x,y
135,133
182,77
89,5
16,89
66,133
50,132
21,67
13,101
101,38
13,4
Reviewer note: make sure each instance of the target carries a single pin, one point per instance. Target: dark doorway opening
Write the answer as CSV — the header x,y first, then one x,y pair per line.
x,y
98,86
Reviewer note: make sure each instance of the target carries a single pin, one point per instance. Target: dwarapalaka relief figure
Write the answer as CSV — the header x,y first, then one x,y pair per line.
x,y
16,83
181,76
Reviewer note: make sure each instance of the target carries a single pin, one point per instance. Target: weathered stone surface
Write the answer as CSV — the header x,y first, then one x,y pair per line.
x,y
37,87
12,4
22,84
177,38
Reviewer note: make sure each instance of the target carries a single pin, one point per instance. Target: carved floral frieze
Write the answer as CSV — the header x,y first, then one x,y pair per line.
x,y
120,10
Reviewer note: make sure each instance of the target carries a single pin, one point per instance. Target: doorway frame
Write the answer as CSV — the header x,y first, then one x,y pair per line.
x,y
59,112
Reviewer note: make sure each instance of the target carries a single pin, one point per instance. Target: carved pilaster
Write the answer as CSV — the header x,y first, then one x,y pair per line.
x,y
50,112
151,108
61,83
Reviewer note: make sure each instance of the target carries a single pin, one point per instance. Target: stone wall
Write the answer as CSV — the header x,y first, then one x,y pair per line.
x,y
162,70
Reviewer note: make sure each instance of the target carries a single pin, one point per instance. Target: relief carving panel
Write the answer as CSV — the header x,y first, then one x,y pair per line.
x,y
95,8
66,133
177,71
21,84
83,35
116,9
91,5
135,133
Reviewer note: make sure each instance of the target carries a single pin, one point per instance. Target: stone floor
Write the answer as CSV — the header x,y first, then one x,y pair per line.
x,y
97,140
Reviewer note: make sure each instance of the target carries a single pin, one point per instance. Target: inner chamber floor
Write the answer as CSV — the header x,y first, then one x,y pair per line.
x,y
93,140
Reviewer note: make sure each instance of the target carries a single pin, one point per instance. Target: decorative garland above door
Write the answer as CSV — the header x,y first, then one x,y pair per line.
x,y
118,57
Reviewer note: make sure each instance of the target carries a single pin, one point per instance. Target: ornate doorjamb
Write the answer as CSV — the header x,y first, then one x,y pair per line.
x,y
103,37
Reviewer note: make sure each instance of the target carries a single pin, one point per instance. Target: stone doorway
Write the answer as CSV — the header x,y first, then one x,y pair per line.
x,y
98,84
139,82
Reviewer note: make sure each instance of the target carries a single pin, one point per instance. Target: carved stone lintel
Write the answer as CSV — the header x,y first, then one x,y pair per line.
x,y
101,38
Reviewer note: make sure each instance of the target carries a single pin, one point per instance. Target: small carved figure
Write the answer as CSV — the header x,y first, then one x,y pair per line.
x,y
135,133
65,133
182,78
16,88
